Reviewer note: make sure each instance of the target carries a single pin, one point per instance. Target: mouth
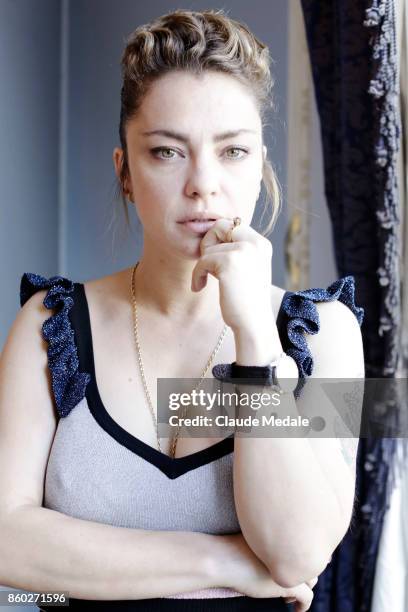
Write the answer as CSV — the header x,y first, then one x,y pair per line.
x,y
198,226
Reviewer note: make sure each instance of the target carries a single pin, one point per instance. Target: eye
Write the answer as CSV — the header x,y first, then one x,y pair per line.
x,y
237,150
168,152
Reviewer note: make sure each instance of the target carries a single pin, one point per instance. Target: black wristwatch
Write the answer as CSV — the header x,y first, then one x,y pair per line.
x,y
249,375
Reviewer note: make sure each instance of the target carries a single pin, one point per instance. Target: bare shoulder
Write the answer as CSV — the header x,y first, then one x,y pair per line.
x,y
105,284
277,294
26,328
24,355
337,349
106,294
336,318
27,413
34,306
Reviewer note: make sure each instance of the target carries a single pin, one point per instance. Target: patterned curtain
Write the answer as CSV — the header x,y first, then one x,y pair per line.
x,y
390,591
352,51
402,49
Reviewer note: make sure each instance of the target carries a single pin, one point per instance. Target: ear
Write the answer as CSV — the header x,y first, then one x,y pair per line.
x,y
117,160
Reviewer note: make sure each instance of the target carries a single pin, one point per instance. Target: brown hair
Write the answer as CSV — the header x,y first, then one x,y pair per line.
x,y
196,42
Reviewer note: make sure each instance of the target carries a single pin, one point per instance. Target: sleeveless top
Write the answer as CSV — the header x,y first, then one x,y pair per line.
x,y
98,471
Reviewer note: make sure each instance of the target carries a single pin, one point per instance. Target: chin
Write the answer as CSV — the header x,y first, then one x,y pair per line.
x,y
191,254
186,249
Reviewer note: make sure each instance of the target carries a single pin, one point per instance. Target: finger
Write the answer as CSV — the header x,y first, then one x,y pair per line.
x,y
210,263
221,247
207,264
216,234
304,598
219,233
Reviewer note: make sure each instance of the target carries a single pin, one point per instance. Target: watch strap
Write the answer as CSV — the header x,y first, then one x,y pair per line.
x,y
252,375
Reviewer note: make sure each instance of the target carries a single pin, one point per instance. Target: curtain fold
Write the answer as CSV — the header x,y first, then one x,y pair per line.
x,y
352,51
390,591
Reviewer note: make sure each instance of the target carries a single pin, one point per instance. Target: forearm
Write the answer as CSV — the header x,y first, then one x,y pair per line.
x,y
285,507
41,549
287,504
337,459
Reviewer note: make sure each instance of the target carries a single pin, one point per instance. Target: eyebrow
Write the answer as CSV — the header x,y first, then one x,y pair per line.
x,y
185,139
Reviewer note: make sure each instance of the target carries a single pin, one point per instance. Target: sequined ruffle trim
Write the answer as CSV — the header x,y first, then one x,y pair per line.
x,y
68,383
303,315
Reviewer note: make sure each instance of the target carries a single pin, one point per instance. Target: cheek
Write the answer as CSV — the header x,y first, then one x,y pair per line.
x,y
151,169
246,188
154,204
151,191
155,180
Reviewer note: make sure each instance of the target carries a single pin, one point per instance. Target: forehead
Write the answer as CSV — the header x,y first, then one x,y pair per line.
x,y
212,101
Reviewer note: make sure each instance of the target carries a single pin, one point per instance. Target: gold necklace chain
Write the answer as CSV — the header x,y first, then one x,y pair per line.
x,y
139,356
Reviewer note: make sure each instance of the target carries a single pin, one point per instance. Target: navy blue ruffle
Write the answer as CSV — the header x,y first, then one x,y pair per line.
x,y
68,383
301,310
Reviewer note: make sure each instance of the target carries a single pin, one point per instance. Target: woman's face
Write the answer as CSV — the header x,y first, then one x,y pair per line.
x,y
194,148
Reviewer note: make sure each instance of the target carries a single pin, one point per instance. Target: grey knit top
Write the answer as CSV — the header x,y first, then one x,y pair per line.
x,y
98,471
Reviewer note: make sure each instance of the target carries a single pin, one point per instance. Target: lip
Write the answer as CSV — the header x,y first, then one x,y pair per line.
x,y
197,227
206,215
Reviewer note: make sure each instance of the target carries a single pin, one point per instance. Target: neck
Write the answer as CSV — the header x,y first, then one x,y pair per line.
x,y
163,283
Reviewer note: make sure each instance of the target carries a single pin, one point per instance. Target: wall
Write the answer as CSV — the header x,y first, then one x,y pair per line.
x,y
29,142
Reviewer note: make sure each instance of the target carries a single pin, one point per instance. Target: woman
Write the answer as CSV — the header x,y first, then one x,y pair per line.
x,y
129,520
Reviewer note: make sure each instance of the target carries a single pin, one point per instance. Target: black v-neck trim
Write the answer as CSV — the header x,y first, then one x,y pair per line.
x,y
171,467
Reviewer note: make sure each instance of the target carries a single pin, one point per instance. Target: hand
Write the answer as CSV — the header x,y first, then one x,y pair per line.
x,y
250,576
243,269
300,596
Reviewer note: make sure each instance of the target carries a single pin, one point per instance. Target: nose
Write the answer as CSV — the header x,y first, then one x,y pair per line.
x,y
202,180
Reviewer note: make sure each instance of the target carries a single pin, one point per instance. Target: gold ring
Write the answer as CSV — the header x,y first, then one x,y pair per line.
x,y
235,222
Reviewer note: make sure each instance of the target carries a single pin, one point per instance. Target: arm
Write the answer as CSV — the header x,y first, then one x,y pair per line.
x,y
41,549
294,496
44,549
